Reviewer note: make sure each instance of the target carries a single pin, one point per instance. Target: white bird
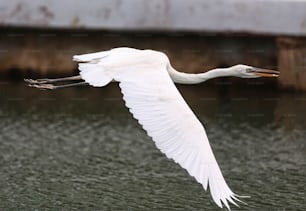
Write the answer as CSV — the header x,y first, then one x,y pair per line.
x,y
146,80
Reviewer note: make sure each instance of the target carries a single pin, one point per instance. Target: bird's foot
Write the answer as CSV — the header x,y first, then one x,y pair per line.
x,y
39,81
55,83
43,86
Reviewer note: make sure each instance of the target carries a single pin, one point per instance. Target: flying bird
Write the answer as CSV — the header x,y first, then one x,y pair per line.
x,y
146,79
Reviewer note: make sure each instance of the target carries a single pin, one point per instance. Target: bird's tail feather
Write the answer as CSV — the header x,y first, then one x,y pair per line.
x,y
90,57
94,74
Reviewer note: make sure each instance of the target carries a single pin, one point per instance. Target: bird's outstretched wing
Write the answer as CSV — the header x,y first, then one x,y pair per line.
x,y
155,102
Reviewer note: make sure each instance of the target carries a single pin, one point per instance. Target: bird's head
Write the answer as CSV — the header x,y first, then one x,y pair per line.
x,y
245,71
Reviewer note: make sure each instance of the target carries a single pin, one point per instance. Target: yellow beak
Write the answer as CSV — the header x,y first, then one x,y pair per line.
x,y
266,73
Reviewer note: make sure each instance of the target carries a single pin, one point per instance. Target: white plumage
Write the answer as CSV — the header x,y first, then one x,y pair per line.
x,y
146,80
155,102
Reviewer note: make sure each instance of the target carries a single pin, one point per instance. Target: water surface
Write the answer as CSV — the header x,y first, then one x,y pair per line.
x,y
80,149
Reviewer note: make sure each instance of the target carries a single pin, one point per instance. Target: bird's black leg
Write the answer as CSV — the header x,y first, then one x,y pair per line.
x,y
54,80
52,86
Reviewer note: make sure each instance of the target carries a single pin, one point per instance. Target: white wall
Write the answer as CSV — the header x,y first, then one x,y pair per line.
x,y
252,16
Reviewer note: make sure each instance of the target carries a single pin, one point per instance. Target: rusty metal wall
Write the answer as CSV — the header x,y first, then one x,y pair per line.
x,y
50,52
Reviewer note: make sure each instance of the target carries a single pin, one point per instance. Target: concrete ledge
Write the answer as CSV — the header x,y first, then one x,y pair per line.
x,y
258,16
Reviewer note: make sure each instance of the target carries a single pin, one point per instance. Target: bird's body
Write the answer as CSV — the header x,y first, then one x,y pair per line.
x,y
146,80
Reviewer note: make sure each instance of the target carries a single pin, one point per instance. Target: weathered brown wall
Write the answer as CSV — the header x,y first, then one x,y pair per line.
x,y
50,52
292,62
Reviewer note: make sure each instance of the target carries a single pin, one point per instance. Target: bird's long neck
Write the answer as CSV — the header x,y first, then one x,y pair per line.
x,y
195,78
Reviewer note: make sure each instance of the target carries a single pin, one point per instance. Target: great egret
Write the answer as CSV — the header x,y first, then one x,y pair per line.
x,y
146,80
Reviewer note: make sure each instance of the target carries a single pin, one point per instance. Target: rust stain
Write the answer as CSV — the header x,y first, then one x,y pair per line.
x,y
17,10
75,21
21,13
46,12
303,26
106,13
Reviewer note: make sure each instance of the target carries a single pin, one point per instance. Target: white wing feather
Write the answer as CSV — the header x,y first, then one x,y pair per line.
x,y
154,101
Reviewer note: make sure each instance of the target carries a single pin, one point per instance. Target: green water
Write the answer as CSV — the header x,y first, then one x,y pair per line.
x,y
80,149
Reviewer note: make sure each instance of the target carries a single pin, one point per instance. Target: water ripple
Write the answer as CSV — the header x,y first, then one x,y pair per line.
x,y
91,155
